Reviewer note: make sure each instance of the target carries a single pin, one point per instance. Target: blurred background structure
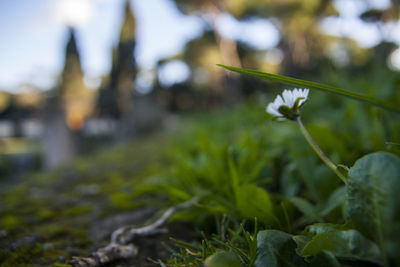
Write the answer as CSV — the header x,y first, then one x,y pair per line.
x,y
78,74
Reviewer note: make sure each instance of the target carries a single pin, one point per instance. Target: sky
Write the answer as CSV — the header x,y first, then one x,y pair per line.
x,y
36,32
34,35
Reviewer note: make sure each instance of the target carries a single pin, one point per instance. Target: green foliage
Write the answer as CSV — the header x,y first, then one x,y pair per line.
x,y
78,210
277,249
321,210
325,258
223,259
367,203
10,222
330,245
122,201
343,244
46,214
373,204
230,176
22,256
237,247
253,201
57,264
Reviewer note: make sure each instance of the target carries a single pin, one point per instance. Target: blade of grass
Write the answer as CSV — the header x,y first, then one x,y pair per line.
x,y
318,86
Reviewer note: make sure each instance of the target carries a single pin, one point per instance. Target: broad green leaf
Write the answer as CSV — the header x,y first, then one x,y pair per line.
x,y
253,201
344,244
223,259
318,86
277,249
373,202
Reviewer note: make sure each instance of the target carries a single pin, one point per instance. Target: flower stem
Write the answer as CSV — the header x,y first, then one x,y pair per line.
x,y
319,152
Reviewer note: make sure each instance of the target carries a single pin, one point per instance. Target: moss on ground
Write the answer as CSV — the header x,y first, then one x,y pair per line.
x,y
46,220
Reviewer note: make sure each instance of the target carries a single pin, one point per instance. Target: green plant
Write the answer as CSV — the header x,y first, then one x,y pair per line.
x,y
355,224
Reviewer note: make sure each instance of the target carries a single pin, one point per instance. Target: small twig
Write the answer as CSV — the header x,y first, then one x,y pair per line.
x,y
125,234
119,247
106,255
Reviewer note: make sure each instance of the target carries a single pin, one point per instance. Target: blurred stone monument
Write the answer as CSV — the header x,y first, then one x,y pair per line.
x,y
66,110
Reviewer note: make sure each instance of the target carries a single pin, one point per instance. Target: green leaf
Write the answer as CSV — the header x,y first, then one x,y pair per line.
x,y
253,201
344,244
326,259
335,200
318,86
373,202
321,228
277,249
289,183
306,208
223,259
301,241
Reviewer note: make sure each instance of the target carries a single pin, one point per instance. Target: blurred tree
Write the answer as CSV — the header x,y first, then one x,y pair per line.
x,y
4,100
390,15
213,10
207,86
116,95
305,48
19,108
201,55
117,92
72,91
15,114
301,41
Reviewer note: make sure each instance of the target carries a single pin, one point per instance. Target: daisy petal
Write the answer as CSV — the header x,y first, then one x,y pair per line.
x,y
288,98
271,109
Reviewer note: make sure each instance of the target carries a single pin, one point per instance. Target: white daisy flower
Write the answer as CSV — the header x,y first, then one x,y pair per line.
x,y
287,106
